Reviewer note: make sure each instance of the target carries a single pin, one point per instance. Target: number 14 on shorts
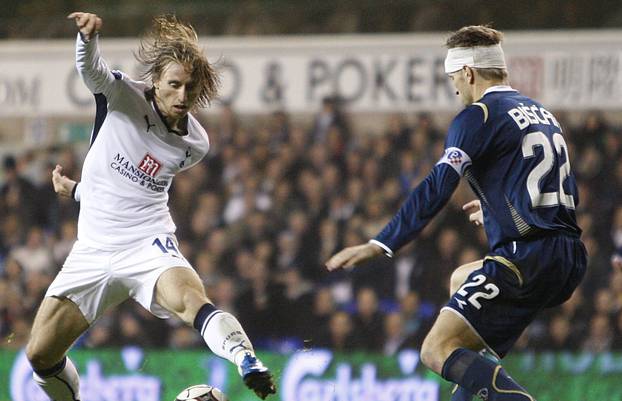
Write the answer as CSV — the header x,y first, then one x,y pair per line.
x,y
490,292
168,245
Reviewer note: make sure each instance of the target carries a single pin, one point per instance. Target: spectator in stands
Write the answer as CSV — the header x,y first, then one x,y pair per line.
x,y
417,318
35,255
62,246
600,336
206,267
394,334
368,321
340,336
224,293
296,302
330,116
285,236
184,337
101,333
257,304
559,334
316,326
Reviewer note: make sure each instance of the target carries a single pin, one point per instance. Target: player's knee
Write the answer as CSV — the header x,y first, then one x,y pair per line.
x,y
430,354
434,352
192,299
37,356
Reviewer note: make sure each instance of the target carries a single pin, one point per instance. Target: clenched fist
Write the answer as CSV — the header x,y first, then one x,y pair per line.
x,y
88,24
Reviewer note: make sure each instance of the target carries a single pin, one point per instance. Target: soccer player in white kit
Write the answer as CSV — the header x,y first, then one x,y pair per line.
x,y
126,246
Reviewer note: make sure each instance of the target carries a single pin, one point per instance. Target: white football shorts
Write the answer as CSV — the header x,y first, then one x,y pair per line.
x,y
96,280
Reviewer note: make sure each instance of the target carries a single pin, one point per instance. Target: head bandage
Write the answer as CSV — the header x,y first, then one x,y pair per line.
x,y
476,57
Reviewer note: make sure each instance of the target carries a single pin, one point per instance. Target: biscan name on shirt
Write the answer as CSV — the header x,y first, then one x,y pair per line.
x,y
128,170
524,116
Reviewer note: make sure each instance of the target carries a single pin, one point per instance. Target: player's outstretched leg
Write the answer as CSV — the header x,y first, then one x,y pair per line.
x,y
224,335
447,350
180,291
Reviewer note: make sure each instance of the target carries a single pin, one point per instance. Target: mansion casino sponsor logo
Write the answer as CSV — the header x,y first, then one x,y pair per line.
x,y
143,174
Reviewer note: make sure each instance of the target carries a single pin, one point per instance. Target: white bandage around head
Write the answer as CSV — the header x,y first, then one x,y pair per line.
x,y
476,57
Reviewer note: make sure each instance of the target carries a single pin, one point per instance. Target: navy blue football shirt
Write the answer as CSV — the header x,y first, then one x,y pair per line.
x,y
512,152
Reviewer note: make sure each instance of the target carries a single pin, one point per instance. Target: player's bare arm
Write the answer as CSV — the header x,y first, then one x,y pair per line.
x,y
88,24
62,184
474,209
353,255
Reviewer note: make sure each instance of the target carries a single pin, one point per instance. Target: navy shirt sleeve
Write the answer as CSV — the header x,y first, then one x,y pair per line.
x,y
423,203
466,131
463,144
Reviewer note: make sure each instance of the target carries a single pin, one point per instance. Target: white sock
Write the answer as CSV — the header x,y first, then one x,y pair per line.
x,y
62,384
224,335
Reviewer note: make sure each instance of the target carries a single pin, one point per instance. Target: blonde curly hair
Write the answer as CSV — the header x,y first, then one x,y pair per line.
x,y
171,40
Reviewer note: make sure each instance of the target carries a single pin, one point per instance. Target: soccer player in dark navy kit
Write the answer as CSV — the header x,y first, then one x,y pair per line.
x,y
513,154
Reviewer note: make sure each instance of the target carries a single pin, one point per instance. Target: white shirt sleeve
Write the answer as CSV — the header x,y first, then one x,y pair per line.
x,y
91,67
76,192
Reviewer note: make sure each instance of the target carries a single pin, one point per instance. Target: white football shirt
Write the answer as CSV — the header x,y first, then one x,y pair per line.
x,y
132,160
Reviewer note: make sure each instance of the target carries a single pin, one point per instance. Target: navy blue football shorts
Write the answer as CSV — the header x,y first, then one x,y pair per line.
x,y
516,281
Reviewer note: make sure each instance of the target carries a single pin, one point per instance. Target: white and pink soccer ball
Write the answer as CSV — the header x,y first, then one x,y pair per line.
x,y
201,392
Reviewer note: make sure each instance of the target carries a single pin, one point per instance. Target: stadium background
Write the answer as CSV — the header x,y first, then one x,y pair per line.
x,y
292,177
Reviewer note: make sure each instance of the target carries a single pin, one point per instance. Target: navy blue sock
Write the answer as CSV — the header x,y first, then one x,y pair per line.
x,y
459,393
202,315
482,377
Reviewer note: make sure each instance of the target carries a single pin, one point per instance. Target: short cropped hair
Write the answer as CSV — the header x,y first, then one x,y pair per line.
x,y
171,40
479,35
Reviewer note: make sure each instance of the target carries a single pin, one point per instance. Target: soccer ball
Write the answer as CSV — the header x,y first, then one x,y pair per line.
x,y
201,392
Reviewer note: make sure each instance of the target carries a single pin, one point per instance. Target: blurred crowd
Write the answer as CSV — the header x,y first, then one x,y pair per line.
x,y
275,199
20,19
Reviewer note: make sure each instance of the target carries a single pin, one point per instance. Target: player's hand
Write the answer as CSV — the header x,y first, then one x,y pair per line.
x,y
353,255
62,185
88,24
616,262
474,208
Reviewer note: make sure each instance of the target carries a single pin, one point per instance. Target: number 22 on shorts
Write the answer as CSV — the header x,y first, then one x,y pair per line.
x,y
168,245
491,291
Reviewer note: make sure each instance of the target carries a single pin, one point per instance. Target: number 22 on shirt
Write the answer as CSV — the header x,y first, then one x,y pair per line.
x,y
544,167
